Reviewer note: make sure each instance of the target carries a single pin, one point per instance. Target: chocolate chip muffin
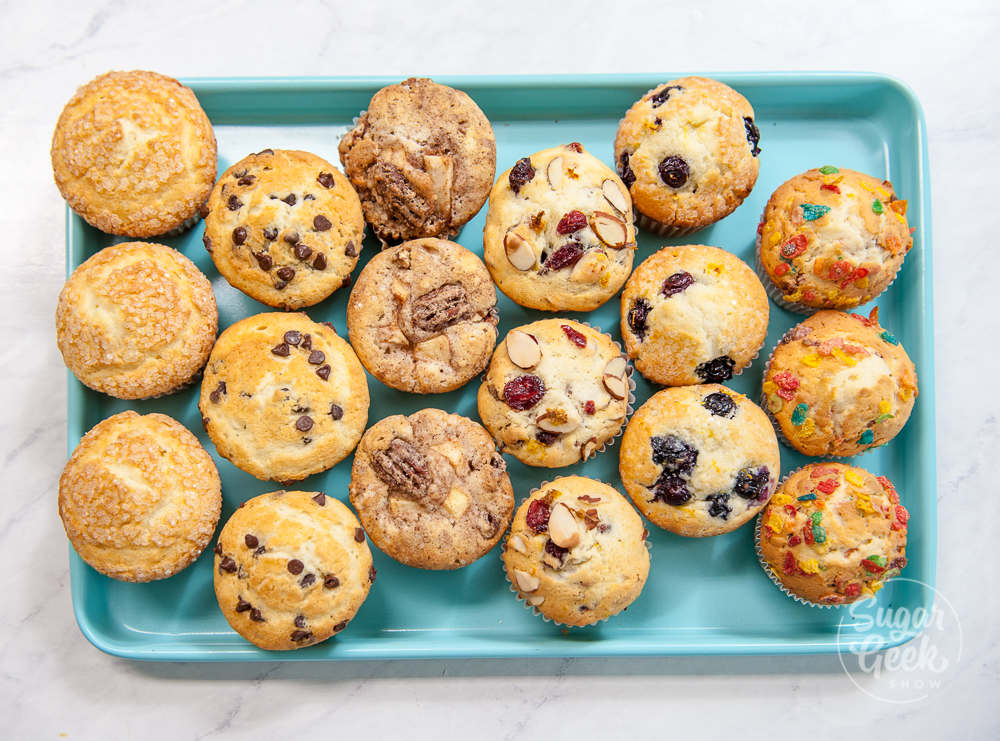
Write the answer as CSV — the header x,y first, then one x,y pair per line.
x,y
136,320
555,393
699,460
283,397
431,489
839,384
832,534
687,150
133,153
831,238
559,233
576,552
139,497
292,568
422,158
421,316
693,314
285,227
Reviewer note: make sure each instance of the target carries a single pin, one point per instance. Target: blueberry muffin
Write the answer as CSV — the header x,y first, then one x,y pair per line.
x,y
831,238
285,227
699,460
422,158
576,552
139,497
693,314
422,316
431,489
556,391
283,397
839,384
292,568
136,320
559,233
133,153
833,534
687,150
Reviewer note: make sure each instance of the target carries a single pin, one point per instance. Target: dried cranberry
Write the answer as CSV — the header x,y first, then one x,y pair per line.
x,y
753,135
671,489
675,455
545,437
752,484
637,317
719,506
558,551
521,173
523,392
589,407
625,171
538,516
720,404
716,370
573,221
662,96
567,255
677,283
575,146
674,171
852,590
789,566
577,338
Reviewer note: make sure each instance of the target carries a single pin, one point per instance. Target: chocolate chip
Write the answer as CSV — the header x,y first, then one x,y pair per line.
x,y
336,411
371,573
300,621
251,540
293,337
302,251
320,262
331,582
227,564
239,235
242,605
245,180
203,210
350,250
279,284
281,350
216,396
347,281
289,199
307,341
259,550
306,440
264,261
359,535
291,237
208,244
256,616
316,357
323,372
325,179
301,635
204,423
308,197
320,499
234,203
218,549
286,274
307,580
321,223
304,423
295,566
270,233
340,626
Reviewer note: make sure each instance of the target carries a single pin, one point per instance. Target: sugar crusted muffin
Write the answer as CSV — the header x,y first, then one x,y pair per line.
x,y
687,150
292,568
839,384
555,393
133,153
431,489
831,238
833,534
136,320
699,460
283,397
576,552
693,314
139,497
422,316
422,158
559,232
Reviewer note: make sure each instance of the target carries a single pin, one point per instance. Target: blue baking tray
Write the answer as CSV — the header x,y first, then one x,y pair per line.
x,y
704,596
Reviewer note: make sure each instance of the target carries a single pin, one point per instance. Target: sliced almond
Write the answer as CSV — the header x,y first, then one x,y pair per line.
x,y
591,268
523,349
588,449
535,600
555,172
517,543
558,420
613,194
456,502
615,385
563,527
525,581
519,252
616,366
609,229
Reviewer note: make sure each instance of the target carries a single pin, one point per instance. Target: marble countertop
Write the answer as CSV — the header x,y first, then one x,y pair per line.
x,y
54,684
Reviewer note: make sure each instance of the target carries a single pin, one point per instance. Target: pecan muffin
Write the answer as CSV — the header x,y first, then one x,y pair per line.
x,y
285,227
687,150
559,233
422,158
831,238
832,534
421,316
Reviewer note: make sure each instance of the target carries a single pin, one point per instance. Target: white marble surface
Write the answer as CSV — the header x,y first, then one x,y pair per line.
x,y
54,684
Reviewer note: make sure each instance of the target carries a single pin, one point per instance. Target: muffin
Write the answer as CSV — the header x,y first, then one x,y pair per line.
x,y
699,460
421,316
687,150
283,397
285,227
133,153
139,497
576,552
831,239
431,489
136,320
839,384
555,393
559,233
693,314
292,568
832,534
422,158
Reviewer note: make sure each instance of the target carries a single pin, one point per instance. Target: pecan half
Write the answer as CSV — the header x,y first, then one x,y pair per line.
x,y
441,307
402,467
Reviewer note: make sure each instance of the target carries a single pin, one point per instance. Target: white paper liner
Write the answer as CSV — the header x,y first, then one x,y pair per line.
x,y
184,226
770,572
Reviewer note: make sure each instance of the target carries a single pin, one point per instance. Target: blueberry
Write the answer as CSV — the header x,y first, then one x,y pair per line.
x,y
675,455
671,489
716,370
674,171
677,283
627,176
719,506
637,317
661,97
753,135
720,404
751,484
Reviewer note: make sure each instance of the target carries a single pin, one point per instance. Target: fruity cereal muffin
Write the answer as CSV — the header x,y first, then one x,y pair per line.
x,y
139,497
431,489
422,158
831,239
832,534
699,460
687,151
556,391
292,568
421,316
838,384
136,320
693,314
283,397
133,153
285,227
559,233
576,552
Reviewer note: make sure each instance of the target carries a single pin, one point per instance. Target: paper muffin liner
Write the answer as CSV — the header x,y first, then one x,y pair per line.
x,y
184,226
665,230
770,572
